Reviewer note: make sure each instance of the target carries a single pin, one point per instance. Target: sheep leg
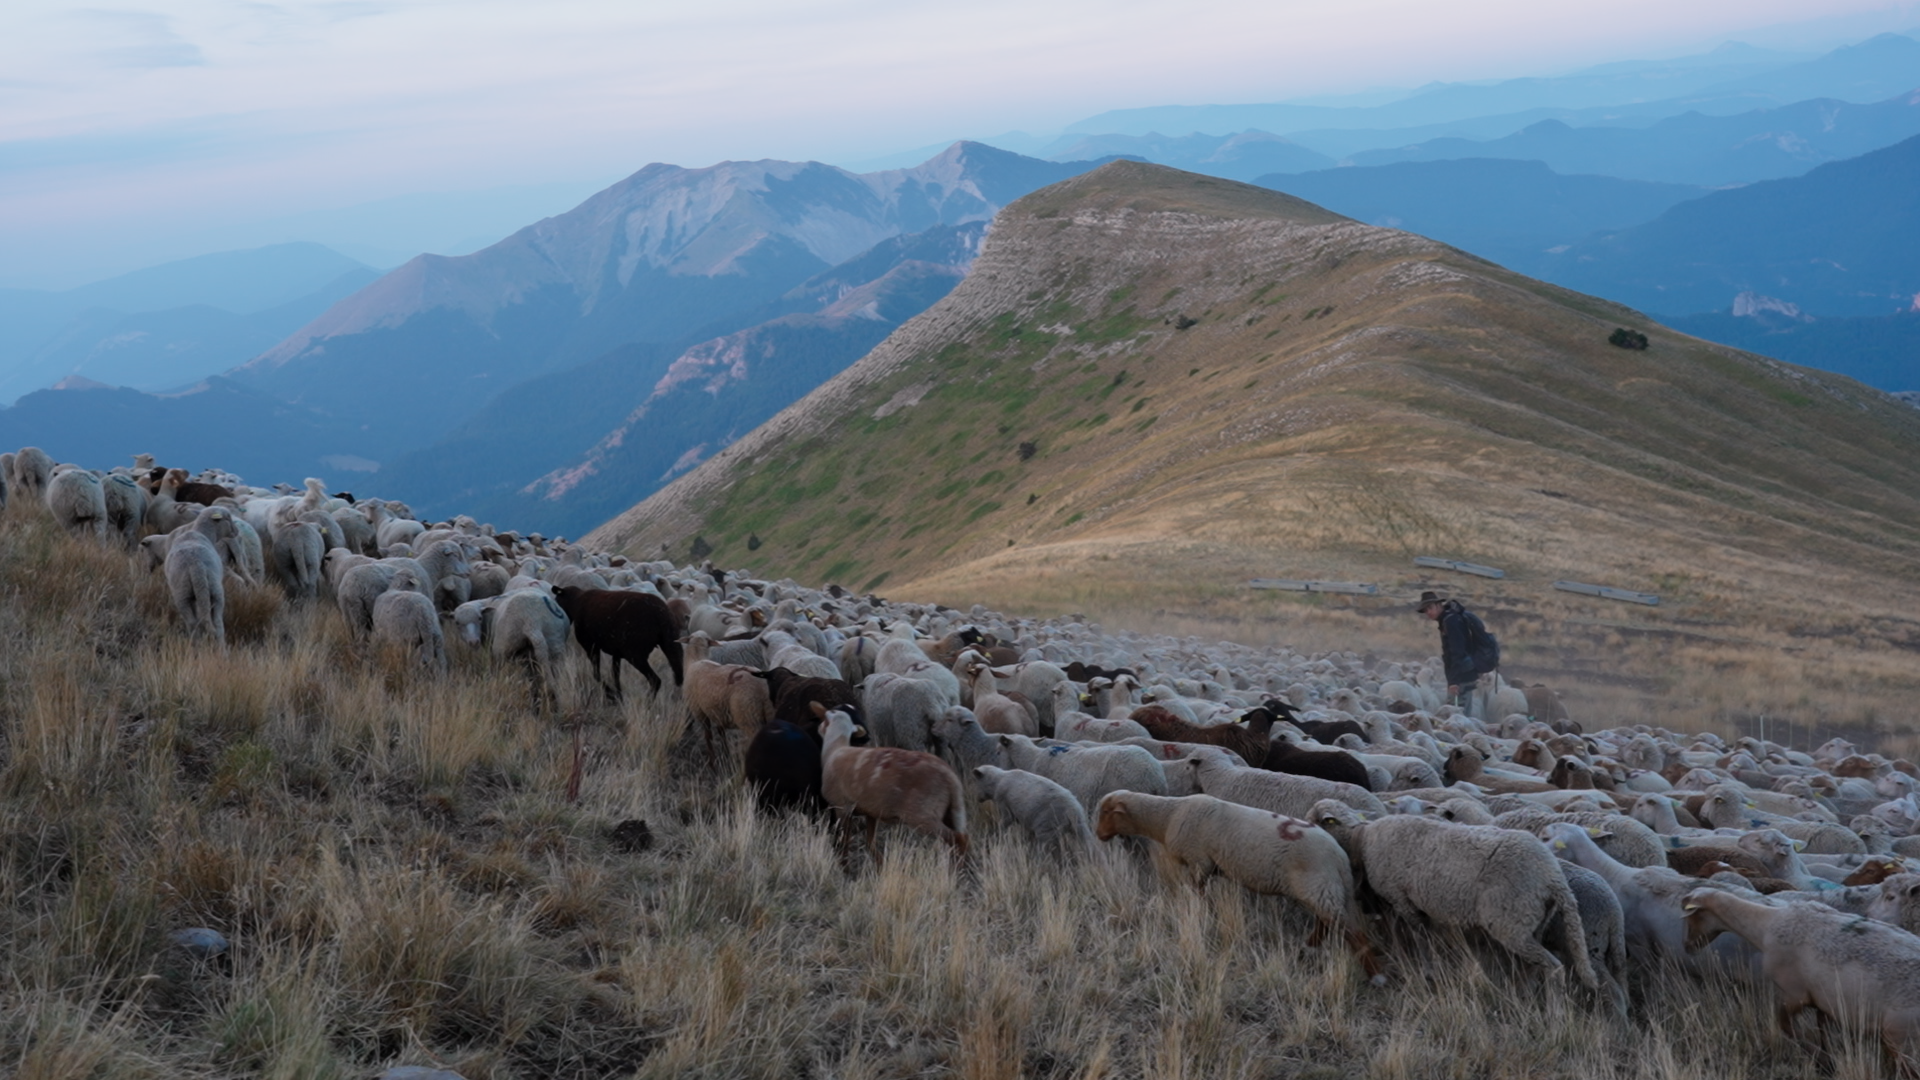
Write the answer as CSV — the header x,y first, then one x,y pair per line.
x,y
873,848
706,729
1528,948
1369,960
645,664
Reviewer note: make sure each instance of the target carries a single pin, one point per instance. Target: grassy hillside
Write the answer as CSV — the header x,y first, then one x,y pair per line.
x,y
1156,385
403,878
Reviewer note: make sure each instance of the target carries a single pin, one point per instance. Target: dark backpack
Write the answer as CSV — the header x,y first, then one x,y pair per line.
x,y
1482,646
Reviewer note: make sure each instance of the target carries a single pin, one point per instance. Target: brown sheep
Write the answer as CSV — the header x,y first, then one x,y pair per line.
x,y
723,697
174,483
1465,763
1572,774
1249,741
1876,870
888,784
1696,861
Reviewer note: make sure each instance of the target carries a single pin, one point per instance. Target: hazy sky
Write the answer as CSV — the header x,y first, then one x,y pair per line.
x,y
159,120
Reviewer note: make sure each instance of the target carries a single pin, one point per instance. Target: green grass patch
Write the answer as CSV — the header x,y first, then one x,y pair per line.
x,y
982,510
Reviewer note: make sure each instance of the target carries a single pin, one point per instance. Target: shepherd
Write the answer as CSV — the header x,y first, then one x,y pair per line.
x,y
1469,653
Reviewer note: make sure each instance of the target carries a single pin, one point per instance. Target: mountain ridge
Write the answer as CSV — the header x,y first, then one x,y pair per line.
x,y
1154,386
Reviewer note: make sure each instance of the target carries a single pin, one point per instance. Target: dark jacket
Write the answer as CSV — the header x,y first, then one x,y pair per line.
x,y
1454,654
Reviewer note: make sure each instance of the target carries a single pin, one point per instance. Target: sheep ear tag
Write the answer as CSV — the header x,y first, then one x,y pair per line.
x,y
1596,832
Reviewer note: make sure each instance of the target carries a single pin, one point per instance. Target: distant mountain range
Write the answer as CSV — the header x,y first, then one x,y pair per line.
x,y
169,324
658,319
1241,156
589,358
1734,78
596,437
1880,350
1694,148
1838,241
1509,211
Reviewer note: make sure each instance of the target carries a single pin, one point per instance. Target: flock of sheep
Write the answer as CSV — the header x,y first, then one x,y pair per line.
x,y
1343,785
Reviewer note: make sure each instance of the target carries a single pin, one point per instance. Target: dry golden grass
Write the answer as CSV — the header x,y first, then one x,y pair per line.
x,y
404,880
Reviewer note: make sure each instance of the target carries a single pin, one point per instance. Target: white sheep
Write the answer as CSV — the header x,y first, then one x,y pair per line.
x,y
32,468
1267,853
1605,927
1088,770
1898,902
997,712
1282,793
297,550
1048,812
1850,969
1500,881
959,736
404,617
1650,896
361,587
126,508
78,502
901,711
785,651
446,567
1628,841
195,574
525,625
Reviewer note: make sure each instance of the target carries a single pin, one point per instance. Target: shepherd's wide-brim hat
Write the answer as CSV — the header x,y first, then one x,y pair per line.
x,y
1427,600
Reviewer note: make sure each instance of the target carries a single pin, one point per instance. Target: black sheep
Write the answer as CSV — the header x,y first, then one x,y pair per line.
x,y
782,766
626,626
1320,731
792,694
782,763
1284,757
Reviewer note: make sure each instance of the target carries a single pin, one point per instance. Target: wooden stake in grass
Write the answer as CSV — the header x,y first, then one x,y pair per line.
x,y
579,765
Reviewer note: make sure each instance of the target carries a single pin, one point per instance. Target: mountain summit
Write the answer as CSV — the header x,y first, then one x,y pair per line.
x,y
655,257
1154,384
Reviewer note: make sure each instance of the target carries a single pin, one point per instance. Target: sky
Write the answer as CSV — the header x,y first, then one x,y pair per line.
x,y
132,134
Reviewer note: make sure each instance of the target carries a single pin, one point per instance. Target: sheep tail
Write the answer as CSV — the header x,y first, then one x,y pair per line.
x,y
1573,935
956,815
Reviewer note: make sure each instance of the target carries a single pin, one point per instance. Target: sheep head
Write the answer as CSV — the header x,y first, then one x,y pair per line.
x,y
1112,817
